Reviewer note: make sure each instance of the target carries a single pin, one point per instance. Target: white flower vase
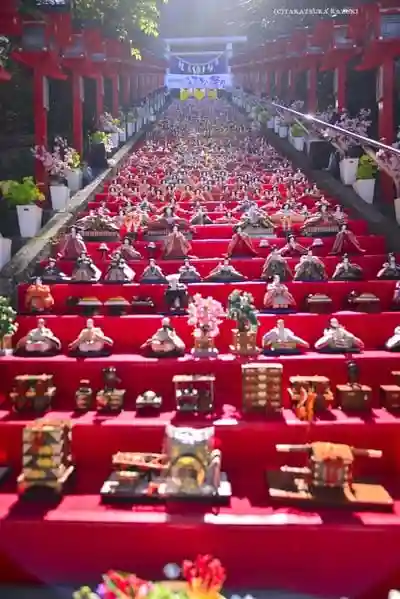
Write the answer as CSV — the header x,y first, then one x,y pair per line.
x,y
365,188
298,143
122,137
277,124
59,195
130,129
271,124
283,131
74,179
29,220
348,170
5,251
114,139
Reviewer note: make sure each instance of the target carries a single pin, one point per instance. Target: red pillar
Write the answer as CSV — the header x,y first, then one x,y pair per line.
x,y
126,89
292,84
99,96
384,89
312,98
340,86
278,82
77,112
134,86
115,95
40,104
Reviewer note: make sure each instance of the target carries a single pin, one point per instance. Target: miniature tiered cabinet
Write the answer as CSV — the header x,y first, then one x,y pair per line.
x,y
300,387
32,392
390,394
262,387
319,303
194,393
46,457
327,479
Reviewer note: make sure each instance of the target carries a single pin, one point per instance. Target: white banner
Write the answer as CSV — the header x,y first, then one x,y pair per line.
x,y
198,81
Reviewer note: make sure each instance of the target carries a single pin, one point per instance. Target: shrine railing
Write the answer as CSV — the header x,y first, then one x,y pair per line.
x,y
309,118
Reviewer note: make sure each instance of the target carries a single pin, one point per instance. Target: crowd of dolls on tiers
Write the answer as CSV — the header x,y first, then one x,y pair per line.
x,y
205,200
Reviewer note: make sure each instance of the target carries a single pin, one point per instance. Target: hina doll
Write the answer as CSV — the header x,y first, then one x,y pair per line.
x,y
40,341
97,223
310,269
396,297
277,296
200,218
167,221
188,273
121,219
287,216
276,264
153,274
227,219
176,295
283,340
225,273
244,205
241,245
118,271
339,215
85,270
72,245
321,221
176,246
393,343
254,217
345,241
336,339
127,251
91,342
390,270
347,271
38,297
165,342
292,248
52,274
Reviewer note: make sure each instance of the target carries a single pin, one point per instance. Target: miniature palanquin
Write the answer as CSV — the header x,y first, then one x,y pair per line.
x,y
46,457
194,392
327,478
319,303
32,392
262,387
390,394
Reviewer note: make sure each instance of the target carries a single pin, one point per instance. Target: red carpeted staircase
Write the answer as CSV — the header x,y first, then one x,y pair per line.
x,y
326,552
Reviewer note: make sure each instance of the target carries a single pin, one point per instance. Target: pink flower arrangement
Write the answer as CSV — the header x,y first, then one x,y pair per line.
x,y
108,124
359,124
61,159
389,162
205,314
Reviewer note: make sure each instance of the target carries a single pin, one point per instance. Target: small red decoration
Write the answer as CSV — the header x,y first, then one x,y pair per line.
x,y
206,572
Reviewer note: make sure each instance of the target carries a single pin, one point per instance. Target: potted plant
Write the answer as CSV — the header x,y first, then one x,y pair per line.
x,y
111,126
25,197
297,136
73,171
100,146
8,326
131,121
56,167
241,308
345,145
205,315
364,186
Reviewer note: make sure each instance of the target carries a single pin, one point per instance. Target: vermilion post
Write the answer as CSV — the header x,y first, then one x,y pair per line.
x,y
77,112
40,117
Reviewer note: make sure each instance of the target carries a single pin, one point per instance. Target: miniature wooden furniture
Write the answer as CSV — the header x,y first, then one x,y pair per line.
x,y
354,397
301,386
84,396
390,394
148,400
364,302
110,399
262,387
319,303
194,393
89,306
327,479
32,392
117,306
321,230
46,457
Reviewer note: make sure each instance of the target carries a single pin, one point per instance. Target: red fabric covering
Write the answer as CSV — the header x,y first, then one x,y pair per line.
x,y
250,267
338,291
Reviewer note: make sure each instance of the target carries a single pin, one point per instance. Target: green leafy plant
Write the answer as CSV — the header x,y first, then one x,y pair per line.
x,y
21,193
8,326
242,309
99,137
367,168
296,130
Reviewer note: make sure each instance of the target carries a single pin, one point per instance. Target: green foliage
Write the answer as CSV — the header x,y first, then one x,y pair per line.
x,y
296,130
242,309
161,591
8,326
367,168
99,137
21,193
